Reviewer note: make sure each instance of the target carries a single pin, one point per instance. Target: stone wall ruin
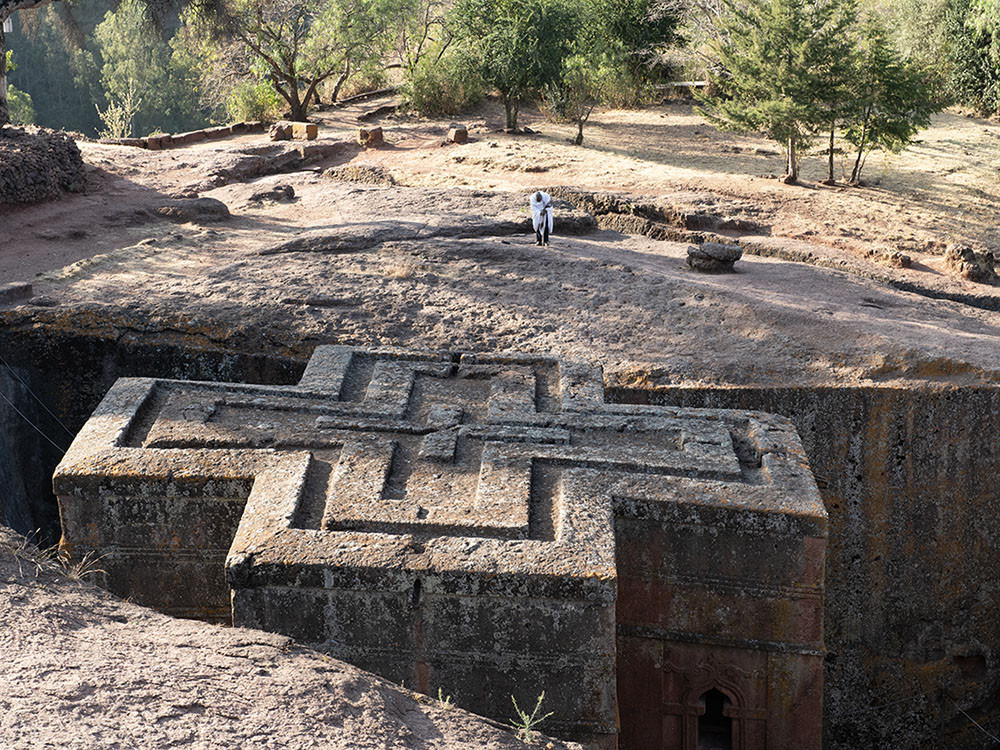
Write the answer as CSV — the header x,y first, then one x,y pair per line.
x,y
486,525
38,164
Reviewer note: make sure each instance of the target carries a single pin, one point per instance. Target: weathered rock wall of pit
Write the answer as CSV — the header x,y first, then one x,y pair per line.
x,y
911,481
70,370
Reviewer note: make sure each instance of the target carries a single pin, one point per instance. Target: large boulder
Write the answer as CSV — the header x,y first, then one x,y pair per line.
x,y
371,138
199,210
713,257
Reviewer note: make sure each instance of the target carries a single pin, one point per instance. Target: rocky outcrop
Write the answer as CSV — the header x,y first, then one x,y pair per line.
x,y
38,165
228,166
370,174
202,210
277,194
971,264
453,213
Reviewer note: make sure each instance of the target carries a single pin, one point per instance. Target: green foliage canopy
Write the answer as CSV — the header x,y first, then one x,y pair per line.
x,y
296,45
893,99
774,62
517,45
973,37
139,65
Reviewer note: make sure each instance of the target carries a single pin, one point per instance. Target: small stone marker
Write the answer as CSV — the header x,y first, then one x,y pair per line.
x,y
305,131
712,257
371,138
484,524
458,134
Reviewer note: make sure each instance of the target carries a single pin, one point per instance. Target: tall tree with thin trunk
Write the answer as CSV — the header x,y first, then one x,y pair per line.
x,y
773,59
893,99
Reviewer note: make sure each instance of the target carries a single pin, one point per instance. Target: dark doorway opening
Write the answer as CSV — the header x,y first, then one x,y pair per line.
x,y
715,729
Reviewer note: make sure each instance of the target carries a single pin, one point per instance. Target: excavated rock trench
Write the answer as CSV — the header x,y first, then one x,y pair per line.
x,y
910,615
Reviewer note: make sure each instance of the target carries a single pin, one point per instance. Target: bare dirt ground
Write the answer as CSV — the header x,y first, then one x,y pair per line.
x,y
82,669
431,262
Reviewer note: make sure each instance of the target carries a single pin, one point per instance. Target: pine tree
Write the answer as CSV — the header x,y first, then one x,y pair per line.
x,y
777,63
892,98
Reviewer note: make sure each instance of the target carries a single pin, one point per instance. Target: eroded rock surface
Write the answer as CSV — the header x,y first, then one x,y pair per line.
x,y
420,214
969,263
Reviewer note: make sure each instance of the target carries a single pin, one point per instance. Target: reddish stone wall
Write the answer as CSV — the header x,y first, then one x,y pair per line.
x,y
729,600
909,476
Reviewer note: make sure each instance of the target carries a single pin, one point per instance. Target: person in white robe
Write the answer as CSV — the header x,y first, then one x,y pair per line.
x,y
541,216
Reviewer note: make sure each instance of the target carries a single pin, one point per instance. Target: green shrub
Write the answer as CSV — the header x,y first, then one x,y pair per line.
x,y
371,79
253,100
447,86
22,110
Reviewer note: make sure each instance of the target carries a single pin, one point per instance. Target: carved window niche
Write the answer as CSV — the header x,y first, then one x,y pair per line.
x,y
712,707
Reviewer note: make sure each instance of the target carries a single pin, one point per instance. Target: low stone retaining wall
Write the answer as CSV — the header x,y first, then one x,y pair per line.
x,y
168,140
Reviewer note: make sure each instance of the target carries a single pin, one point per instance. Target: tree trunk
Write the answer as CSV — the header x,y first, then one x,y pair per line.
x,y
296,107
858,163
4,110
856,172
341,79
833,127
510,109
579,133
792,163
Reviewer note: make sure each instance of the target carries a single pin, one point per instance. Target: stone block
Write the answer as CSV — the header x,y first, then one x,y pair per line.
x,y
484,525
164,141
371,138
305,131
193,136
14,292
280,131
713,257
458,134
220,131
134,142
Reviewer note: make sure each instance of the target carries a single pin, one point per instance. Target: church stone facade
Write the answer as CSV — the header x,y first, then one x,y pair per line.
x,y
486,525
